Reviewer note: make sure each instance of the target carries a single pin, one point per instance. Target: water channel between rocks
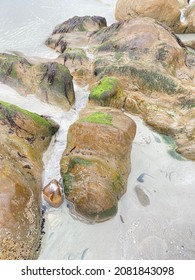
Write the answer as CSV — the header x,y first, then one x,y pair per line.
x,y
155,218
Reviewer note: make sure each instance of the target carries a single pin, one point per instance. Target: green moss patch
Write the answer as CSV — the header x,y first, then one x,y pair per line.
x,y
98,117
106,85
67,182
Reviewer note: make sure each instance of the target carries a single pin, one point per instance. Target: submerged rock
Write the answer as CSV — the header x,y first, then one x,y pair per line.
x,y
24,138
51,82
52,194
96,163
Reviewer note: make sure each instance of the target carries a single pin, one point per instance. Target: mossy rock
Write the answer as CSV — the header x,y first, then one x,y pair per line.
x,y
108,92
95,165
8,68
144,78
106,87
8,112
67,177
51,82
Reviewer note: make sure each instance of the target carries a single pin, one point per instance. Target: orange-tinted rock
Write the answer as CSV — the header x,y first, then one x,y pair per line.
x,y
24,138
167,12
52,194
96,163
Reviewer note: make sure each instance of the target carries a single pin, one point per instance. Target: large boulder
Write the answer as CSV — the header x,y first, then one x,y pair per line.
x,y
24,138
96,163
51,82
167,12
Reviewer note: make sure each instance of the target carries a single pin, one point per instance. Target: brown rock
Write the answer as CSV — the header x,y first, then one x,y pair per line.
x,y
24,138
96,163
52,194
167,12
190,44
190,19
183,3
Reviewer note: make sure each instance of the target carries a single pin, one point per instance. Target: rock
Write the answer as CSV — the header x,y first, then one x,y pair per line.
x,y
69,37
190,19
24,138
51,81
77,62
52,194
61,38
154,67
167,12
80,24
190,44
96,163
108,92
183,3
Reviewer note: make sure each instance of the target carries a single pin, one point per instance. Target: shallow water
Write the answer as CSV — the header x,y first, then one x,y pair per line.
x,y
155,219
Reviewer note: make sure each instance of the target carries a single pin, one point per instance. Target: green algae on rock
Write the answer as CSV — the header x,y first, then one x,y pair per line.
x,y
92,182
108,92
24,138
99,118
